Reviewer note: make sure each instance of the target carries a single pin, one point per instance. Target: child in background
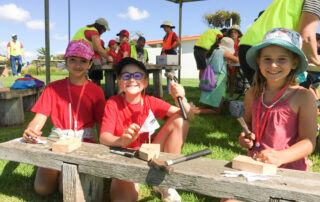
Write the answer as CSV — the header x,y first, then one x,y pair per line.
x,y
282,115
124,115
112,55
234,33
124,49
86,101
217,56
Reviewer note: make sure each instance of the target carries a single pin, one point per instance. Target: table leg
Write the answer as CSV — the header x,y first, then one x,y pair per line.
x,y
157,83
72,189
109,83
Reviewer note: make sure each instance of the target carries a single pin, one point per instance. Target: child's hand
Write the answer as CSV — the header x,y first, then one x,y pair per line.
x,y
245,141
30,135
269,156
130,134
176,90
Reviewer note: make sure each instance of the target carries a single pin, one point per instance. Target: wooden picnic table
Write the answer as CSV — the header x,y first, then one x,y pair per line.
x,y
151,68
201,175
313,68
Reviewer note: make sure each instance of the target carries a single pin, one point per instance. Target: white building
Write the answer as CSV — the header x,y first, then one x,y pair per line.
x,y
188,63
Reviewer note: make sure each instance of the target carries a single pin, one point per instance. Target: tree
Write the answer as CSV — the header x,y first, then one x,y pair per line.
x,y
222,19
41,53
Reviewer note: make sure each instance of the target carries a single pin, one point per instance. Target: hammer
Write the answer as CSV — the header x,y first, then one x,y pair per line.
x,y
244,127
166,165
170,76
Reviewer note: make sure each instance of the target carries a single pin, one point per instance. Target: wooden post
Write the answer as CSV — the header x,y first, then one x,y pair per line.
x,y
11,111
72,189
109,83
157,82
93,187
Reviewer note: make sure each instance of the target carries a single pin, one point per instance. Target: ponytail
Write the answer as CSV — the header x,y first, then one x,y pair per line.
x,y
214,46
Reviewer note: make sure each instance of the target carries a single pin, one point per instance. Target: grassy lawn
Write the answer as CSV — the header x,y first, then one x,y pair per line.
x,y
217,132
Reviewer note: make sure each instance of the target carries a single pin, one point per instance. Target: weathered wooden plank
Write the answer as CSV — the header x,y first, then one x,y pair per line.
x,y
11,111
199,175
72,189
109,83
93,187
19,92
157,83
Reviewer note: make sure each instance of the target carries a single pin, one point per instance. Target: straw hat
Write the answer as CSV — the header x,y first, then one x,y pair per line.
x,y
227,44
235,27
167,23
104,22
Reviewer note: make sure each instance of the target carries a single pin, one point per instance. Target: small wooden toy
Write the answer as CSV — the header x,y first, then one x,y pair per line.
x,y
148,152
66,145
247,163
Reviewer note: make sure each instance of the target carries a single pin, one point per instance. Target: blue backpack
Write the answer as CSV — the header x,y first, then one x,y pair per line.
x,y
27,82
208,81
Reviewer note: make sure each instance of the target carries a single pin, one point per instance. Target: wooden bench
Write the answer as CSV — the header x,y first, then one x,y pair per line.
x,y
84,168
14,103
156,70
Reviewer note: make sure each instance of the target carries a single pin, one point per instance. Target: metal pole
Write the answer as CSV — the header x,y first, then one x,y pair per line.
x,y
180,29
68,21
47,39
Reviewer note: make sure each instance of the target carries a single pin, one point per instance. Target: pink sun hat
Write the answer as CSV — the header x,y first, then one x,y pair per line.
x,y
79,48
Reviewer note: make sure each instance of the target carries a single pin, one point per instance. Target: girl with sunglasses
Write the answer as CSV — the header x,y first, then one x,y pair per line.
x,y
125,114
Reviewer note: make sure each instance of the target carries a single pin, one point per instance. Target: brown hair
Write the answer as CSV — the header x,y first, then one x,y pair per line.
x,y
259,81
214,46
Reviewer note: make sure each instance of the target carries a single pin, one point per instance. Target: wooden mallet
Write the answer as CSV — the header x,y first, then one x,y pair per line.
x,y
170,76
166,165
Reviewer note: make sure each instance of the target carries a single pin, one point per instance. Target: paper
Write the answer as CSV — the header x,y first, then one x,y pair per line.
x,y
38,140
251,177
150,125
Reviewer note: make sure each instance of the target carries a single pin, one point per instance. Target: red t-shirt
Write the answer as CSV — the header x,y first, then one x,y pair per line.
x,y
119,115
124,47
8,45
54,101
113,55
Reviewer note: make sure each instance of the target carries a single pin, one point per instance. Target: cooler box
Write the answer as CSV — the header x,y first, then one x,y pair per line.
x,y
167,60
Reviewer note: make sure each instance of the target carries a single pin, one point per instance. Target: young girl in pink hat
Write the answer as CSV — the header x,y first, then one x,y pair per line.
x,y
74,104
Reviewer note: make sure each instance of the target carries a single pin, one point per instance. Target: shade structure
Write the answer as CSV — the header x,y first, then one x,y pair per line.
x,y
180,2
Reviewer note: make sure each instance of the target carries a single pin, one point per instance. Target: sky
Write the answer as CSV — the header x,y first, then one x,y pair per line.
x,y
26,19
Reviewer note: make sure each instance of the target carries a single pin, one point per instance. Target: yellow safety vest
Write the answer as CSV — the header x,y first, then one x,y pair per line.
x,y
208,38
133,53
80,35
15,48
281,13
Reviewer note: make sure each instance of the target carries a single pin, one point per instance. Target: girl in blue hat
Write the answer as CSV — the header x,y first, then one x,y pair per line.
x,y
281,115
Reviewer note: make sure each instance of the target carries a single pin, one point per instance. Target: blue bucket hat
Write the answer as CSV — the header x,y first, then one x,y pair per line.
x,y
284,38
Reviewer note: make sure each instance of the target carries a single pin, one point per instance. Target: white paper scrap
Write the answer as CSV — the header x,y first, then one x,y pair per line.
x,y
251,177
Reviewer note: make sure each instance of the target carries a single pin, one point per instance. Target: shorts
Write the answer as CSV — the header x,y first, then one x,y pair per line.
x,y
95,74
200,56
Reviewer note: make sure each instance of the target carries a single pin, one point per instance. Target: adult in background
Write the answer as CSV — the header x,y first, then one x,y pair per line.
x,y
138,51
124,49
201,47
91,33
170,44
300,15
15,53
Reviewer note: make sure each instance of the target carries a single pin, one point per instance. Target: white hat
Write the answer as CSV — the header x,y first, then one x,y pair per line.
x,y
104,22
227,44
13,35
167,23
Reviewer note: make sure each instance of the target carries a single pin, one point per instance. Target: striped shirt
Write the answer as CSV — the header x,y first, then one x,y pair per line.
x,y
312,6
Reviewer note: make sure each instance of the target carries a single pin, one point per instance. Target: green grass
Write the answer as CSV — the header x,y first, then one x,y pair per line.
x,y
218,132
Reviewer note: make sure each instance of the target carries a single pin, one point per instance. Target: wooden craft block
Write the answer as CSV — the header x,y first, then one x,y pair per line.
x,y
66,145
148,152
247,163
4,89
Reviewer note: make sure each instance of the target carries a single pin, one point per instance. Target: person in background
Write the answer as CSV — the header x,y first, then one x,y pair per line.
x,y
201,47
73,100
170,44
112,54
15,53
138,51
124,49
224,31
221,51
126,113
91,33
234,33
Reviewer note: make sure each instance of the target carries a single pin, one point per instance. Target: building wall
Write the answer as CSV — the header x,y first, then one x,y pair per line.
x,y
188,63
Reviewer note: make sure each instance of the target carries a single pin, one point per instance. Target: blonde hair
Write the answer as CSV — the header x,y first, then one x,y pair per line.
x,y
259,81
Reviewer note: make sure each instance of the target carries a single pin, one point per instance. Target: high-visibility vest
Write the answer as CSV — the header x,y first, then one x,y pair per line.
x,y
15,48
167,42
80,35
208,38
280,13
133,52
